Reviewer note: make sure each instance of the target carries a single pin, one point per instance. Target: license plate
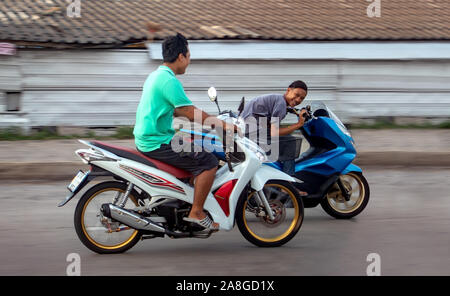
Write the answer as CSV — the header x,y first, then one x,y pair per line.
x,y
76,181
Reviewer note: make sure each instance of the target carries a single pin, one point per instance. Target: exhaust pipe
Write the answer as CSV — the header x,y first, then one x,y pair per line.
x,y
130,219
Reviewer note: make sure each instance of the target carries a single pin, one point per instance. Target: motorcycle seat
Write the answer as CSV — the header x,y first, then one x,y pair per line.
x,y
137,156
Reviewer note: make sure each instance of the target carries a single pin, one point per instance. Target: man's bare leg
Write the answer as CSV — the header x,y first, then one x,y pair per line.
x,y
202,186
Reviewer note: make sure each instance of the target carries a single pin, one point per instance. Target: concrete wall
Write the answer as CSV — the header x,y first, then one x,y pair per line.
x,y
103,87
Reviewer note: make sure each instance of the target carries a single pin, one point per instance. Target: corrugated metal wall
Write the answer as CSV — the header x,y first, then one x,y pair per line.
x,y
103,87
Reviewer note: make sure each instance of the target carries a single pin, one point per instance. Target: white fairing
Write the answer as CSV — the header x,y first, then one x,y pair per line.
x,y
266,173
211,205
160,184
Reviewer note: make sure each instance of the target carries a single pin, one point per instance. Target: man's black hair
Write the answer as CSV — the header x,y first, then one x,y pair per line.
x,y
173,46
299,84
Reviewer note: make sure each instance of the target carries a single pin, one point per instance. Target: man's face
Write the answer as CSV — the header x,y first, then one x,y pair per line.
x,y
184,62
295,96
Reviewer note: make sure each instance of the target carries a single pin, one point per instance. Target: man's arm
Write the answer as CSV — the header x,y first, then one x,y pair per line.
x,y
190,111
284,130
289,129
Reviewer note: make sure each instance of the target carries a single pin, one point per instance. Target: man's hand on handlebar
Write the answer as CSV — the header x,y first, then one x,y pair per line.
x,y
302,116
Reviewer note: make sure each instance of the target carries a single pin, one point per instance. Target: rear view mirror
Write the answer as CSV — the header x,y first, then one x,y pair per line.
x,y
212,93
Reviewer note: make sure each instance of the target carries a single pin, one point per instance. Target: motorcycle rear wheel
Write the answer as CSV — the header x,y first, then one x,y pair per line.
x,y
288,210
94,233
335,204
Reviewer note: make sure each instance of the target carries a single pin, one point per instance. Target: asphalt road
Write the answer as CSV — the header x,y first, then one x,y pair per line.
x,y
407,223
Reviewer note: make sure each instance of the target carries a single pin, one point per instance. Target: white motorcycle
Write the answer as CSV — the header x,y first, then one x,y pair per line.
x,y
146,198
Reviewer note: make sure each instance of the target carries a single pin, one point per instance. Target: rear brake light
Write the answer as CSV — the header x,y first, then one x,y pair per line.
x,y
90,155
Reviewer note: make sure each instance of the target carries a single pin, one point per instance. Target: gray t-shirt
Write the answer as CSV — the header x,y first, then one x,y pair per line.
x,y
271,106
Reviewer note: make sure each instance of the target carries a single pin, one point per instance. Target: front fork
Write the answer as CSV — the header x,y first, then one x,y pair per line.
x,y
344,191
261,198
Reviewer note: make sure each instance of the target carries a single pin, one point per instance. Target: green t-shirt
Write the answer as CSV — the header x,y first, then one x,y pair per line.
x,y
162,93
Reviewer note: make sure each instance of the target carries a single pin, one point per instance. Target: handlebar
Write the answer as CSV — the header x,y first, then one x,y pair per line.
x,y
229,112
307,115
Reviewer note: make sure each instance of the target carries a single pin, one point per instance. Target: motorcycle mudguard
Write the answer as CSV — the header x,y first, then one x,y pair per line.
x,y
351,168
90,175
266,173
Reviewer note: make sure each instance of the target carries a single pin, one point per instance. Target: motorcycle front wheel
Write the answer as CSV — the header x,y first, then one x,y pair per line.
x,y
335,204
287,207
101,234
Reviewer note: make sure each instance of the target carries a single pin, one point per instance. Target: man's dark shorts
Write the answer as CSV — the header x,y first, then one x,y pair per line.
x,y
193,162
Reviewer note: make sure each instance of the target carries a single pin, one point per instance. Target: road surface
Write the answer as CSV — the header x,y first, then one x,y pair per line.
x,y
407,223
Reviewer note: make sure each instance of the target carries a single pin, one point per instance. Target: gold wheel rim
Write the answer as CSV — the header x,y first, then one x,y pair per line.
x,y
291,226
133,235
335,199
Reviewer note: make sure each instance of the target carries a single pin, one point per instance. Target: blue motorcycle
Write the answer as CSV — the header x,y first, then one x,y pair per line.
x,y
325,173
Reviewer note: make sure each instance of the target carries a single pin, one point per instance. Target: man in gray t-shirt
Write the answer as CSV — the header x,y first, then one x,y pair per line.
x,y
272,106
271,109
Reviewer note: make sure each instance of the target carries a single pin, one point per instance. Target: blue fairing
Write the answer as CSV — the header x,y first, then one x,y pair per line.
x,y
338,160
351,168
276,165
212,136
208,141
333,161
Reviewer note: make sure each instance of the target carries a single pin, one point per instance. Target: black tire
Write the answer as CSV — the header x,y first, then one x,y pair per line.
x,y
294,227
363,199
88,241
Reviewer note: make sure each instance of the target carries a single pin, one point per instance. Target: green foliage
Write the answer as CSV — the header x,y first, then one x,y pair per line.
x,y
16,134
124,132
382,124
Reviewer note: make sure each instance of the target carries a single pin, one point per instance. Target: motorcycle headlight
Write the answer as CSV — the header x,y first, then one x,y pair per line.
x,y
259,152
262,156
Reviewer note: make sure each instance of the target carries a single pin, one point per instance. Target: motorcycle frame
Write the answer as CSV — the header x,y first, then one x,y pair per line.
x,y
160,184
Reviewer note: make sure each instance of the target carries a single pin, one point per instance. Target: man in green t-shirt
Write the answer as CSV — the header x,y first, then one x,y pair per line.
x,y
163,97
